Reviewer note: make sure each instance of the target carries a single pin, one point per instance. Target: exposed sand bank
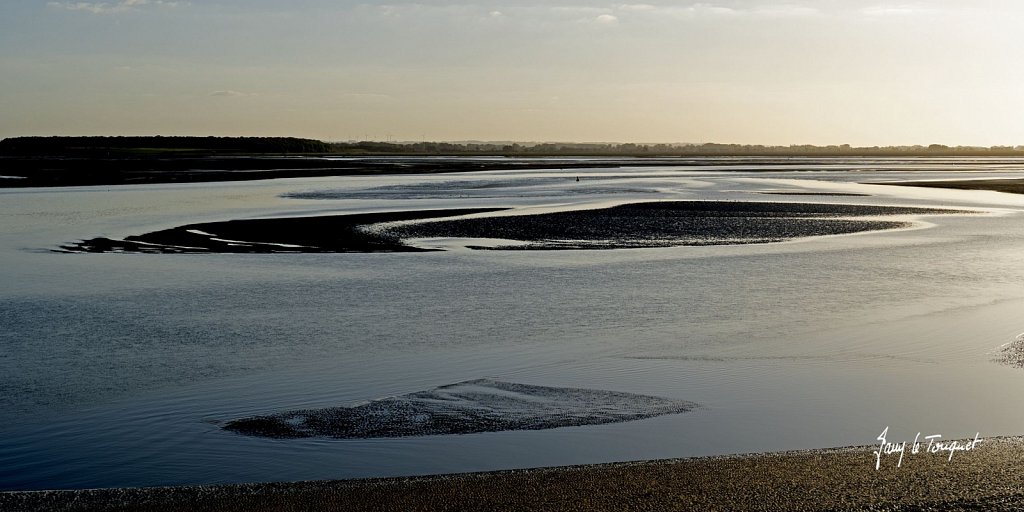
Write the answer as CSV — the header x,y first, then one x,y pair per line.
x,y
666,224
822,194
1010,185
651,224
335,233
986,478
481,405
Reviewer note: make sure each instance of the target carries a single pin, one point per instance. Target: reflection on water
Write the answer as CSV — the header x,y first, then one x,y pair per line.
x,y
120,369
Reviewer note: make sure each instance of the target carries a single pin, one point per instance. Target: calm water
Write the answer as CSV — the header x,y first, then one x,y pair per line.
x,y
116,369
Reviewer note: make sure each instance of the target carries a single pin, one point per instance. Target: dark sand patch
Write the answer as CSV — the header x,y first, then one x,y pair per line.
x,y
637,225
835,194
666,224
481,405
335,233
986,478
1011,354
1009,185
478,189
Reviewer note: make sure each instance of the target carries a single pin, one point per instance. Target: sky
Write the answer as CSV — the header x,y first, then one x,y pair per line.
x,y
746,71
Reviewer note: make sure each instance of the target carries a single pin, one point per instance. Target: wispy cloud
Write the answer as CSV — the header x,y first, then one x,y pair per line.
x,y
112,7
365,97
610,14
227,93
891,10
637,7
786,10
707,9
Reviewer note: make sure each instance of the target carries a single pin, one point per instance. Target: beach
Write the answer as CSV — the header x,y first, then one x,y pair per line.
x,y
986,477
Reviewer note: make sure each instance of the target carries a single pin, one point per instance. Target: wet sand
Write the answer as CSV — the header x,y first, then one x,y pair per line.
x,y
636,225
95,169
480,405
333,233
1010,185
986,478
666,224
822,194
54,171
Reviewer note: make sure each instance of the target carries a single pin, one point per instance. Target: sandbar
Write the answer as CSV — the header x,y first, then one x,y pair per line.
x,y
1009,185
633,225
478,405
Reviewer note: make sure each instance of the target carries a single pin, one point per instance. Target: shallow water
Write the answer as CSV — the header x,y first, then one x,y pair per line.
x,y
119,369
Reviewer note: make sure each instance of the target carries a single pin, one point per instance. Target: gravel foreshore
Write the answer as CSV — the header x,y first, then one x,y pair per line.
x,y
988,477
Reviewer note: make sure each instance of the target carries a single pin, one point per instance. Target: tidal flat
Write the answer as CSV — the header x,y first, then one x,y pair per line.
x,y
120,368
1010,186
633,225
479,405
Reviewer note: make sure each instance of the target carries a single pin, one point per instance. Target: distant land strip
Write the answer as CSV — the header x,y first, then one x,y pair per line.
x,y
32,162
17,172
149,145
86,161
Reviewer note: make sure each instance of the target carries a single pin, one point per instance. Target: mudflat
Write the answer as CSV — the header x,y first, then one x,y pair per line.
x,y
634,225
1010,185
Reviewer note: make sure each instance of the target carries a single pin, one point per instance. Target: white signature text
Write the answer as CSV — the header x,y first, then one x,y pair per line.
x,y
931,444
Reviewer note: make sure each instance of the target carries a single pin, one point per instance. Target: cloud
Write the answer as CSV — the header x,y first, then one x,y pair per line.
x,y
606,19
890,10
705,9
579,10
786,11
112,7
366,96
227,93
637,7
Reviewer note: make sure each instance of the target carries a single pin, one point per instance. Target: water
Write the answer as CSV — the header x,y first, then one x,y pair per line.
x,y
117,369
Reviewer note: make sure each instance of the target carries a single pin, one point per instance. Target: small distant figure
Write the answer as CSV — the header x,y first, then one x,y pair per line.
x,y
577,178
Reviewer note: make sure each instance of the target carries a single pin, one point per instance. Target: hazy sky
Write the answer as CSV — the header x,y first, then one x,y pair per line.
x,y
746,71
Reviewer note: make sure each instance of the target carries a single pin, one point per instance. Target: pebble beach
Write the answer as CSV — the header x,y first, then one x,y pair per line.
x,y
987,477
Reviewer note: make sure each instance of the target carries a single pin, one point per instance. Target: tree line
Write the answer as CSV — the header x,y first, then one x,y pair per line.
x,y
119,146
132,146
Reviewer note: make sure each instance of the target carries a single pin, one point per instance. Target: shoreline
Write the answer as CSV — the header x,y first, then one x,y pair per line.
x,y
25,171
985,478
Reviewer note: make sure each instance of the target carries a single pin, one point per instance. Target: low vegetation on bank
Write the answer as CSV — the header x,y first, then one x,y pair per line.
x,y
138,146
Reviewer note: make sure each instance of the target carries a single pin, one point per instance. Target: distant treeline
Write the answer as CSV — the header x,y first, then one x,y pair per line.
x,y
189,146
120,146
661,150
